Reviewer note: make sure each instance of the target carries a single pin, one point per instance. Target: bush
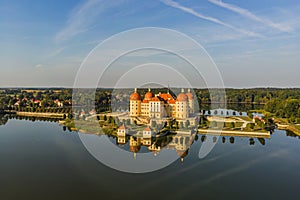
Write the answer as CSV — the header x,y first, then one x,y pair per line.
x,y
250,126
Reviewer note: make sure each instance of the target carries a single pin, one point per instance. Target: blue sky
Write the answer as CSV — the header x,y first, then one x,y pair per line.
x,y
254,43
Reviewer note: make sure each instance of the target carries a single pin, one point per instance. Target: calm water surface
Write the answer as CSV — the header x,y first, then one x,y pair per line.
x,y
38,160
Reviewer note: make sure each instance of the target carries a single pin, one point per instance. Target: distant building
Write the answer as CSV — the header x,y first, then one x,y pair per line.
x,y
82,113
59,103
37,102
258,117
92,112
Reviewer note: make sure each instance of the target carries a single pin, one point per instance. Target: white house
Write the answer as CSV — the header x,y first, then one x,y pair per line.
x,y
148,133
122,131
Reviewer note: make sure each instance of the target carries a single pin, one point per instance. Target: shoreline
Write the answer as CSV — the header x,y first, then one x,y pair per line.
x,y
234,133
288,127
44,115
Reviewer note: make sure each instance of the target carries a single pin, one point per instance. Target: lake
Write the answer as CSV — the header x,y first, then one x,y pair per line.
x,y
39,160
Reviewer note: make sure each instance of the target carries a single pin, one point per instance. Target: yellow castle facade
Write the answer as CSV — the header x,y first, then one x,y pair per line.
x,y
162,105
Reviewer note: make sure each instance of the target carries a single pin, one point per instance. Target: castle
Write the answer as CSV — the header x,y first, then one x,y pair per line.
x,y
162,105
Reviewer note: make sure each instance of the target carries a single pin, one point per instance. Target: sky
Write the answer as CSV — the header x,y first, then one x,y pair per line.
x,y
253,43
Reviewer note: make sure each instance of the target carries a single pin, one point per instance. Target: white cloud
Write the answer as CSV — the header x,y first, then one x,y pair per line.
x,y
246,13
56,52
208,18
38,65
83,17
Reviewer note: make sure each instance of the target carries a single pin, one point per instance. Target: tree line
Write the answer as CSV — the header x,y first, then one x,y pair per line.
x,y
285,108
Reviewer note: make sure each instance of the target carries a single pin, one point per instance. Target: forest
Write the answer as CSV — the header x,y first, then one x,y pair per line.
x,y
279,102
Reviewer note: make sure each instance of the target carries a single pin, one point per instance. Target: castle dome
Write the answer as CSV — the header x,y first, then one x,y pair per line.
x,y
182,96
135,96
149,95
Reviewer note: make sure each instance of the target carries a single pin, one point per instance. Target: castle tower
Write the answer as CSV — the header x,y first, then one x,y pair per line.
x,y
182,106
190,101
145,112
135,104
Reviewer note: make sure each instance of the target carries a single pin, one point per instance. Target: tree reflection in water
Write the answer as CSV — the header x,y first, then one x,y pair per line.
x,y
3,119
214,139
32,118
291,134
223,139
203,138
262,141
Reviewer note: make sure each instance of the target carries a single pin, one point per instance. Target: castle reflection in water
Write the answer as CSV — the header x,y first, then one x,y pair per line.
x,y
179,141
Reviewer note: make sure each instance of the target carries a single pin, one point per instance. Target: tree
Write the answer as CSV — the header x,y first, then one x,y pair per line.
x,y
291,107
113,122
250,126
43,103
110,120
273,105
117,121
250,115
181,125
